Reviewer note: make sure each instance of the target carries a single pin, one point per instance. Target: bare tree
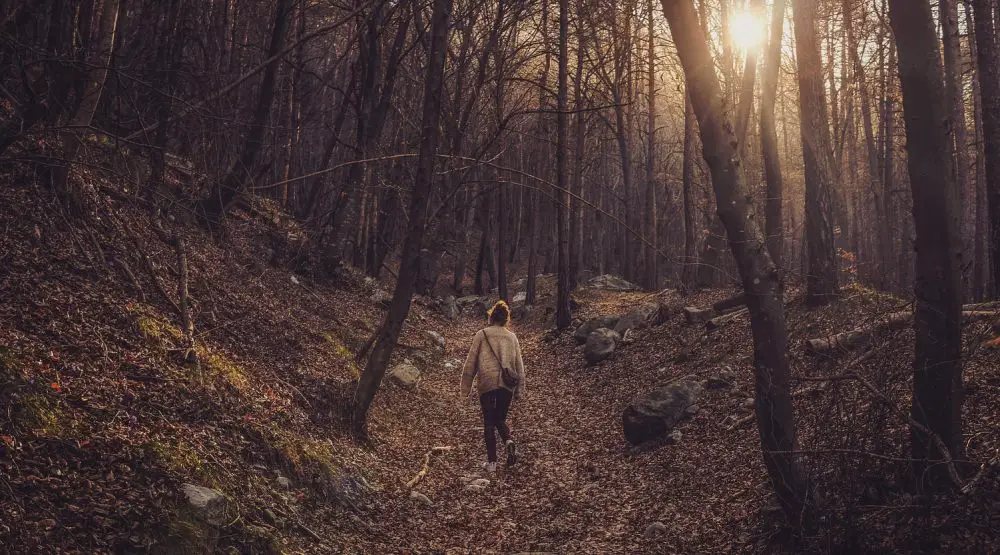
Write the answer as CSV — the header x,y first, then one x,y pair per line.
x,y
937,366
988,58
399,307
758,272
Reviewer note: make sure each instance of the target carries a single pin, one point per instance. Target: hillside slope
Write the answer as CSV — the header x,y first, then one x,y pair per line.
x,y
105,422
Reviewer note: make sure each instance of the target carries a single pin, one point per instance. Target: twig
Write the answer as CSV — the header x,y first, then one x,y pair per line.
x,y
427,465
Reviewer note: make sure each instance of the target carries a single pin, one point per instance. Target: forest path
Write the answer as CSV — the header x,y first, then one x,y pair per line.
x,y
575,488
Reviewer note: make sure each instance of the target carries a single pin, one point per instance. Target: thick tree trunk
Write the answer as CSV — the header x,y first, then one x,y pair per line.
x,y
760,277
399,307
501,238
821,279
576,205
774,228
226,191
937,365
988,57
563,315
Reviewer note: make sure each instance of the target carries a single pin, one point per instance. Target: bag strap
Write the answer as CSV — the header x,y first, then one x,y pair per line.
x,y
490,345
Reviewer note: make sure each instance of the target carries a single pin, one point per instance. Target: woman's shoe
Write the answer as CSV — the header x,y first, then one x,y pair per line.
x,y
511,452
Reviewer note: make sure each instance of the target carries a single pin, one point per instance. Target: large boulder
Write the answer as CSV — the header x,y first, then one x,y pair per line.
x,y
600,345
449,307
655,414
583,332
405,375
609,282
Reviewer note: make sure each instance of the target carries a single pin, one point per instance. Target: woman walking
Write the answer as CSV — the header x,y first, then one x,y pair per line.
x,y
495,363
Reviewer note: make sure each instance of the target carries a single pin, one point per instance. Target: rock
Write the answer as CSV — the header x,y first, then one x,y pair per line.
x,y
466,302
520,297
675,437
583,332
475,488
208,504
436,339
416,495
600,345
405,375
609,282
284,483
692,410
468,479
638,318
452,365
655,529
449,307
749,403
479,482
381,298
656,413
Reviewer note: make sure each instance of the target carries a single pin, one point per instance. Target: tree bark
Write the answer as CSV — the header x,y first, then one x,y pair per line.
x,y
982,267
576,206
774,228
760,277
988,58
937,365
563,315
821,279
652,257
399,307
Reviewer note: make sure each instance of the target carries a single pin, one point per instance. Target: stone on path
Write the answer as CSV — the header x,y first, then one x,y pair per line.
x,y
436,339
450,307
657,413
600,345
584,330
609,282
655,529
417,496
405,375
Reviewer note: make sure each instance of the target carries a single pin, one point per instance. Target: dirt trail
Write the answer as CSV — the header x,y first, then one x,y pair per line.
x,y
576,488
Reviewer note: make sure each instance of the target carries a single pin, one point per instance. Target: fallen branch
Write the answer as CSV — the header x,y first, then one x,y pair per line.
x,y
427,465
719,321
861,337
730,303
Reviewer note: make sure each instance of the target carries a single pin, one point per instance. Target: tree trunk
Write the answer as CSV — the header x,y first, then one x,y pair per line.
x,y
652,258
760,277
690,271
937,365
576,205
563,315
399,307
501,238
982,267
536,209
769,137
821,279
956,104
988,57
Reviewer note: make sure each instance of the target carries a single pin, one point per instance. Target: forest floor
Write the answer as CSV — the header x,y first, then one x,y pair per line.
x,y
104,423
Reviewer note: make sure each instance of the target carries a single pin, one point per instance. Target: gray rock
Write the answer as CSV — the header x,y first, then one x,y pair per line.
x,y
675,437
749,403
449,307
583,331
638,318
436,338
405,375
479,482
600,345
284,483
208,504
692,410
609,282
381,298
475,488
655,529
417,496
520,297
658,412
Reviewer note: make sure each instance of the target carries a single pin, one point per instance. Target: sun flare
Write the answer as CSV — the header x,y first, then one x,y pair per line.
x,y
746,30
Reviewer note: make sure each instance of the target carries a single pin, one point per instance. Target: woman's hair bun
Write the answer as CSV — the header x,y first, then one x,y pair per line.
x,y
499,313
